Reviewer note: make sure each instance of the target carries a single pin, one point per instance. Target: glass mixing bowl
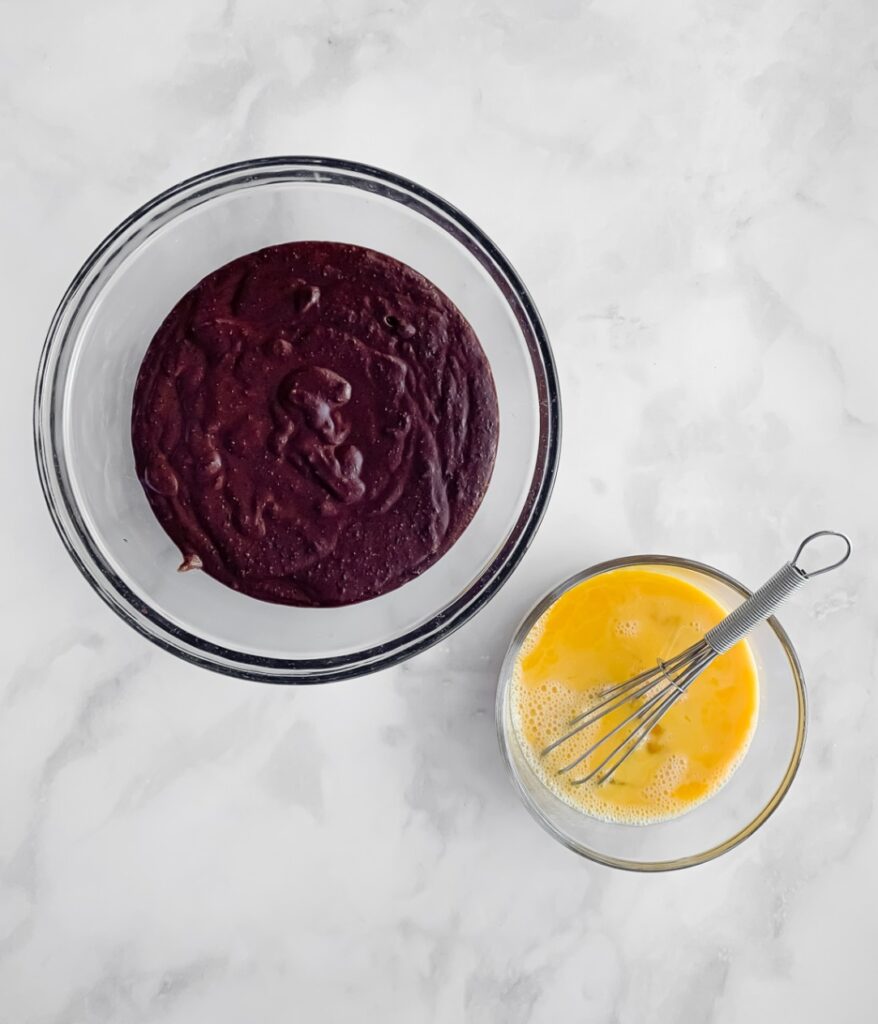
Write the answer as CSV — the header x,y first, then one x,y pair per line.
x,y
724,819
93,351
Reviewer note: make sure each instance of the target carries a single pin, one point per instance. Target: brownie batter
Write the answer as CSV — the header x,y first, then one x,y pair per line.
x,y
314,424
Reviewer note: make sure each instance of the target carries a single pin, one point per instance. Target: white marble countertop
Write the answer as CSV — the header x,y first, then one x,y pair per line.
x,y
690,191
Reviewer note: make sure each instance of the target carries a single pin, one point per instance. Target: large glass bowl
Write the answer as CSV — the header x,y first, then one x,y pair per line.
x,y
97,340
729,816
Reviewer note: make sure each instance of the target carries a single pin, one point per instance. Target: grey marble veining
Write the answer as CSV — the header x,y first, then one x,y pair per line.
x,y
690,191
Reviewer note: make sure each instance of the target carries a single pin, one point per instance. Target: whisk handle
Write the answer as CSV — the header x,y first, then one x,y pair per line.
x,y
757,607
763,602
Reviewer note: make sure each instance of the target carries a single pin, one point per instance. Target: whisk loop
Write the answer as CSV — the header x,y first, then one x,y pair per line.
x,y
656,690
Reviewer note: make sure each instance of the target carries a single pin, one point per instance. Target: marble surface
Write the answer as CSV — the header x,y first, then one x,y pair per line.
x,y
689,189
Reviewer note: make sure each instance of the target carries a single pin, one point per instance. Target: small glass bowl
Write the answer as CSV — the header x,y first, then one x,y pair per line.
x,y
729,816
85,382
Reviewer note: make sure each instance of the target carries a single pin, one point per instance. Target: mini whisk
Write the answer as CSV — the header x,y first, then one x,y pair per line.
x,y
656,690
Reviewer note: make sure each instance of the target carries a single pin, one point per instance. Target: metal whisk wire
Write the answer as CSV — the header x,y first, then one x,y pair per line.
x,y
658,689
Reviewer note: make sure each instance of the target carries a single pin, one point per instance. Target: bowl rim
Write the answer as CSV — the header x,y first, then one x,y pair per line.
x,y
677,863
51,374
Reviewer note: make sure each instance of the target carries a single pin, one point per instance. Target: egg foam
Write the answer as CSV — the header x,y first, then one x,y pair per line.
x,y
600,633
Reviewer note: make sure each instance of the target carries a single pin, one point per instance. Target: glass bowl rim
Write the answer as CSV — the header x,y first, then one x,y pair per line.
x,y
676,863
51,376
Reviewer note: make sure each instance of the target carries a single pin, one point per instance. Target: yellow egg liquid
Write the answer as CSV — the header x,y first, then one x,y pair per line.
x,y
602,632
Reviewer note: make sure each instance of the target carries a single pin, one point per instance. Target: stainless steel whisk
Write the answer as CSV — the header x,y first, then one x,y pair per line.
x,y
671,678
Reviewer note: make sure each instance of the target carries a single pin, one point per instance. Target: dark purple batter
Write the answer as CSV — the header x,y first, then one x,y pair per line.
x,y
314,424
